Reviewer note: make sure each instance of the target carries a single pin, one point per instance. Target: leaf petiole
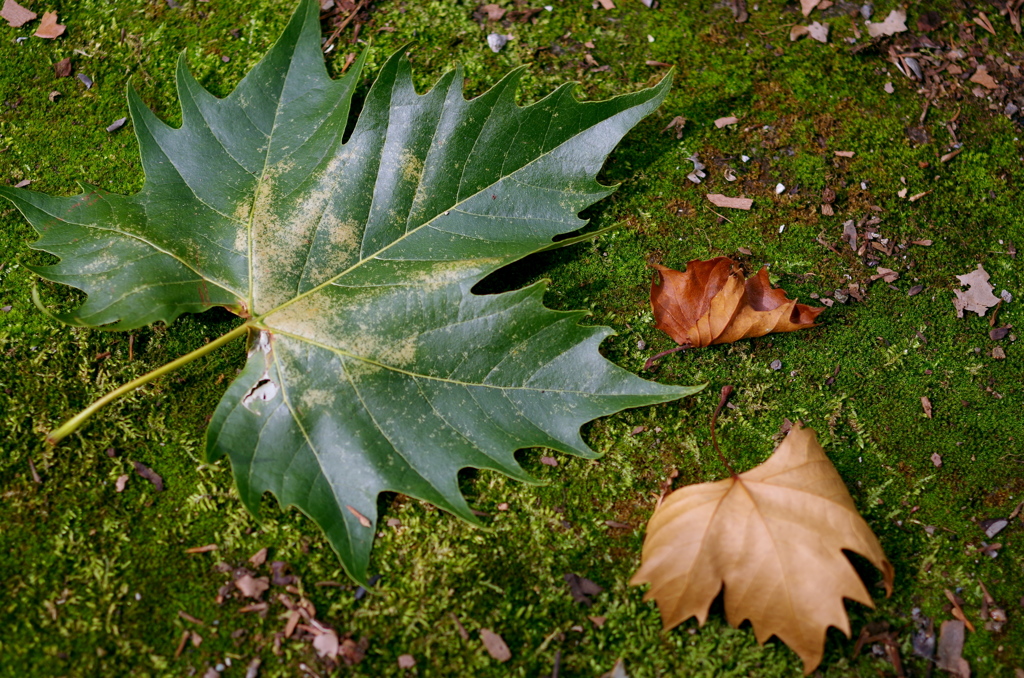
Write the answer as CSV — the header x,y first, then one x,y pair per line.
x,y
72,424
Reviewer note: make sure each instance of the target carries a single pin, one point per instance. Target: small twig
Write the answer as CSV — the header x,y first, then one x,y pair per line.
x,y
650,361
726,392
343,25
720,215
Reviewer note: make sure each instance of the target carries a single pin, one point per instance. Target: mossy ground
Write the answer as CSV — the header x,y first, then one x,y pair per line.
x,y
94,579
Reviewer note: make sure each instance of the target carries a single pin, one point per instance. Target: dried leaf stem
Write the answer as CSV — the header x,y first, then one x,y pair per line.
x,y
726,392
72,424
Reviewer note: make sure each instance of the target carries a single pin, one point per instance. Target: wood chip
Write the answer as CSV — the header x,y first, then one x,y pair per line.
x,y
181,643
922,243
915,198
15,14
293,621
406,661
460,627
549,461
495,645
728,120
189,618
49,28
606,4
844,154
735,203
255,607
202,549
926,404
363,520
952,154
259,557
150,475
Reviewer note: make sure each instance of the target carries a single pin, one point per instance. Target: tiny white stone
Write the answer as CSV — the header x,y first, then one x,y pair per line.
x,y
779,188
745,158
496,41
138,596
548,7
782,228
650,38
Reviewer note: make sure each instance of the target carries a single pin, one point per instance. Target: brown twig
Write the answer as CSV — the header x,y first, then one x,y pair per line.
x,y
726,392
344,24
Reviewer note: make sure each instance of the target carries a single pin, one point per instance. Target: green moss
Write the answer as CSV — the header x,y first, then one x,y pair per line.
x,y
94,578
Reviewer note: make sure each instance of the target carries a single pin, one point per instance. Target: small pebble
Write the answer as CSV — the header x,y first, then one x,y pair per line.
x,y
776,365
496,41
779,188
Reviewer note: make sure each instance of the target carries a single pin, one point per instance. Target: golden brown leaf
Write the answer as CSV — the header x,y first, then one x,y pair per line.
x,y
710,303
774,537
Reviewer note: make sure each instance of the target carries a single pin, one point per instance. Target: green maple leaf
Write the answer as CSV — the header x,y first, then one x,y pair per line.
x,y
372,366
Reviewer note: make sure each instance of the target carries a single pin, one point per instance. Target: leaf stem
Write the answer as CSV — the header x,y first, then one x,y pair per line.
x,y
726,392
653,358
72,424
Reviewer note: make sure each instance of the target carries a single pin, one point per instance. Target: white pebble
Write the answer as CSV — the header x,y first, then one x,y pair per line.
x,y
496,41
779,188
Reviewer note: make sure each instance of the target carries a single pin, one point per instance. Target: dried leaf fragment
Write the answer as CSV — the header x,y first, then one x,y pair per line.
x,y
495,645
150,475
720,200
62,68
807,6
951,647
728,120
817,31
896,22
978,296
710,303
15,14
774,537
982,77
49,28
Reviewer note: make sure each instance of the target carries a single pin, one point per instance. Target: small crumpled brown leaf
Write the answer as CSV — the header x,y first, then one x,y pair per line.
x,y
710,303
774,537
896,22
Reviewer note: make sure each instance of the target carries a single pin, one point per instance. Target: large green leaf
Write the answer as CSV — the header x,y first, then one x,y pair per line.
x,y
372,366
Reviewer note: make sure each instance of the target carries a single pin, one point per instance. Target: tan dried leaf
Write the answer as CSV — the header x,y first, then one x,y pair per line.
x,y
982,77
807,6
774,538
15,14
728,120
252,587
710,303
49,28
978,296
327,644
896,22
